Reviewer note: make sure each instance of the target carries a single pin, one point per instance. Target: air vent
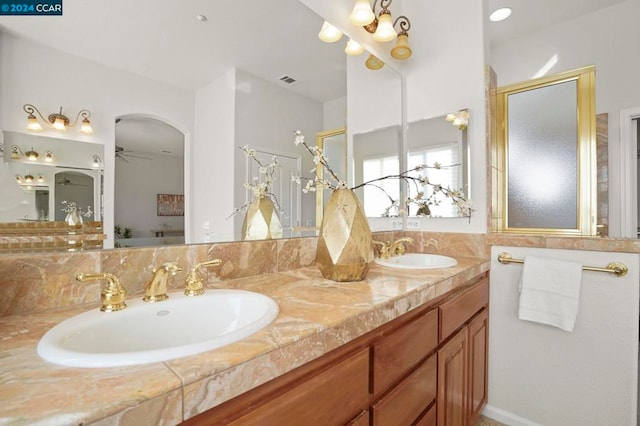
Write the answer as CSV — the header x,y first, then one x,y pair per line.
x,y
287,79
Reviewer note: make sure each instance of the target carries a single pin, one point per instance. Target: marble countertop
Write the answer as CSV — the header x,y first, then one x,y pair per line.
x,y
316,316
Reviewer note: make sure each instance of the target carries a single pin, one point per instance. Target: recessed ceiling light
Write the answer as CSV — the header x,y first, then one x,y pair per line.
x,y
201,18
500,14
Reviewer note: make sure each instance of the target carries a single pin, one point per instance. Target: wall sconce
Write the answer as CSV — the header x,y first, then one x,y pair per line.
x,y
353,48
31,155
28,178
96,161
19,179
58,121
460,119
16,152
48,156
40,179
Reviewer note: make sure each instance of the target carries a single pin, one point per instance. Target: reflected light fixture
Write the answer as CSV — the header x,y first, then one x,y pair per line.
x,y
353,48
58,121
28,178
48,156
16,152
373,63
460,119
18,178
96,161
31,155
40,179
329,34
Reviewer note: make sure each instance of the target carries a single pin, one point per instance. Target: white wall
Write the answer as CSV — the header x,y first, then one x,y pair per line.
x,y
266,117
31,73
607,39
213,160
137,198
539,374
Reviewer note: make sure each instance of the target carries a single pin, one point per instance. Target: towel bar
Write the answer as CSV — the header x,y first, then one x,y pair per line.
x,y
616,269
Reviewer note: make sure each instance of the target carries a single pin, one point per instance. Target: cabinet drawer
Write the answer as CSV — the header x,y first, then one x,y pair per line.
x,y
333,397
403,349
460,308
412,396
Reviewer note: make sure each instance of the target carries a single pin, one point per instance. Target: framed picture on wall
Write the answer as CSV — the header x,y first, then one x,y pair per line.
x,y
170,205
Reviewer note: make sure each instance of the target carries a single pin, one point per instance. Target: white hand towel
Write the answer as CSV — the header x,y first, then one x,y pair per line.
x,y
550,292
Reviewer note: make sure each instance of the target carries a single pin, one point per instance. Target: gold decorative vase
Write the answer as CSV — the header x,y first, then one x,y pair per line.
x,y
262,221
344,249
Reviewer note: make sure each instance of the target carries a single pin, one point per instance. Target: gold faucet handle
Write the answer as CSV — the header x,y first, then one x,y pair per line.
x,y
384,249
195,282
171,267
113,294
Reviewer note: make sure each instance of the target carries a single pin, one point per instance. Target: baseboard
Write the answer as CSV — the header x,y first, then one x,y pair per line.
x,y
506,417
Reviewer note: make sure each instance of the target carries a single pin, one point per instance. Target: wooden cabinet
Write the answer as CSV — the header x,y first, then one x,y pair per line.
x,y
462,360
427,368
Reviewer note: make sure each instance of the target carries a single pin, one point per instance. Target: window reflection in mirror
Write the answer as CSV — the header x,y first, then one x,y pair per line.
x,y
375,155
333,144
437,141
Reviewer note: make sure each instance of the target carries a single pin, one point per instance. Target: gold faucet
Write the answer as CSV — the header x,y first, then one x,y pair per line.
x,y
156,288
112,296
395,248
195,282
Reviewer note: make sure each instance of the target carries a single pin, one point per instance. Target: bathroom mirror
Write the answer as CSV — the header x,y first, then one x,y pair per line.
x,y
547,155
443,142
64,170
283,51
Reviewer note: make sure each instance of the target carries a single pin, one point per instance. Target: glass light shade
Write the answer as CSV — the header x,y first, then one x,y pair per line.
x,y
18,179
329,33
28,178
31,155
32,123
15,154
48,156
353,48
86,126
58,124
385,31
373,63
401,50
40,179
362,14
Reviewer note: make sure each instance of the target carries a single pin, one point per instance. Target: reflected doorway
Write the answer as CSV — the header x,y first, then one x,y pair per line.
x,y
149,166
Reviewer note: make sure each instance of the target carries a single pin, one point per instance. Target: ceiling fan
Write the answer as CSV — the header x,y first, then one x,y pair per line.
x,y
66,181
123,154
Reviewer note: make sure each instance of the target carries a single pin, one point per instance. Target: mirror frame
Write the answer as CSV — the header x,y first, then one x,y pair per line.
x,y
586,150
320,137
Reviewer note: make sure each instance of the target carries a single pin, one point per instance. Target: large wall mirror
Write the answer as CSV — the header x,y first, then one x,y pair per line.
x,y
41,176
547,149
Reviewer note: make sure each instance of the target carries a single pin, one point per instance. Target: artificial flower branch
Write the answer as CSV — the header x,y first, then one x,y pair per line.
x,y
457,196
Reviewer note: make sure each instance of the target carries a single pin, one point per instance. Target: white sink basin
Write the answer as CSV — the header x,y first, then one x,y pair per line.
x,y
151,332
418,261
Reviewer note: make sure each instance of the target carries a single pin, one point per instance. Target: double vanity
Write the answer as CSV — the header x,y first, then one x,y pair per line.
x,y
405,344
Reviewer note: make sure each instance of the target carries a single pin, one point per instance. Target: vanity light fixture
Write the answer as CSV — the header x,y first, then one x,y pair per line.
x,y
460,119
58,121
28,178
31,155
96,161
19,179
48,156
16,152
353,48
373,62
40,179
329,34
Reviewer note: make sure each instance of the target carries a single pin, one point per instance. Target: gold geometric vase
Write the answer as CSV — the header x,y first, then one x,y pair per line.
x,y
344,249
261,222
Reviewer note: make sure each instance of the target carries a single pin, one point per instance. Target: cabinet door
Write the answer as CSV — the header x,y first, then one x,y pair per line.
x,y
333,397
452,381
478,350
